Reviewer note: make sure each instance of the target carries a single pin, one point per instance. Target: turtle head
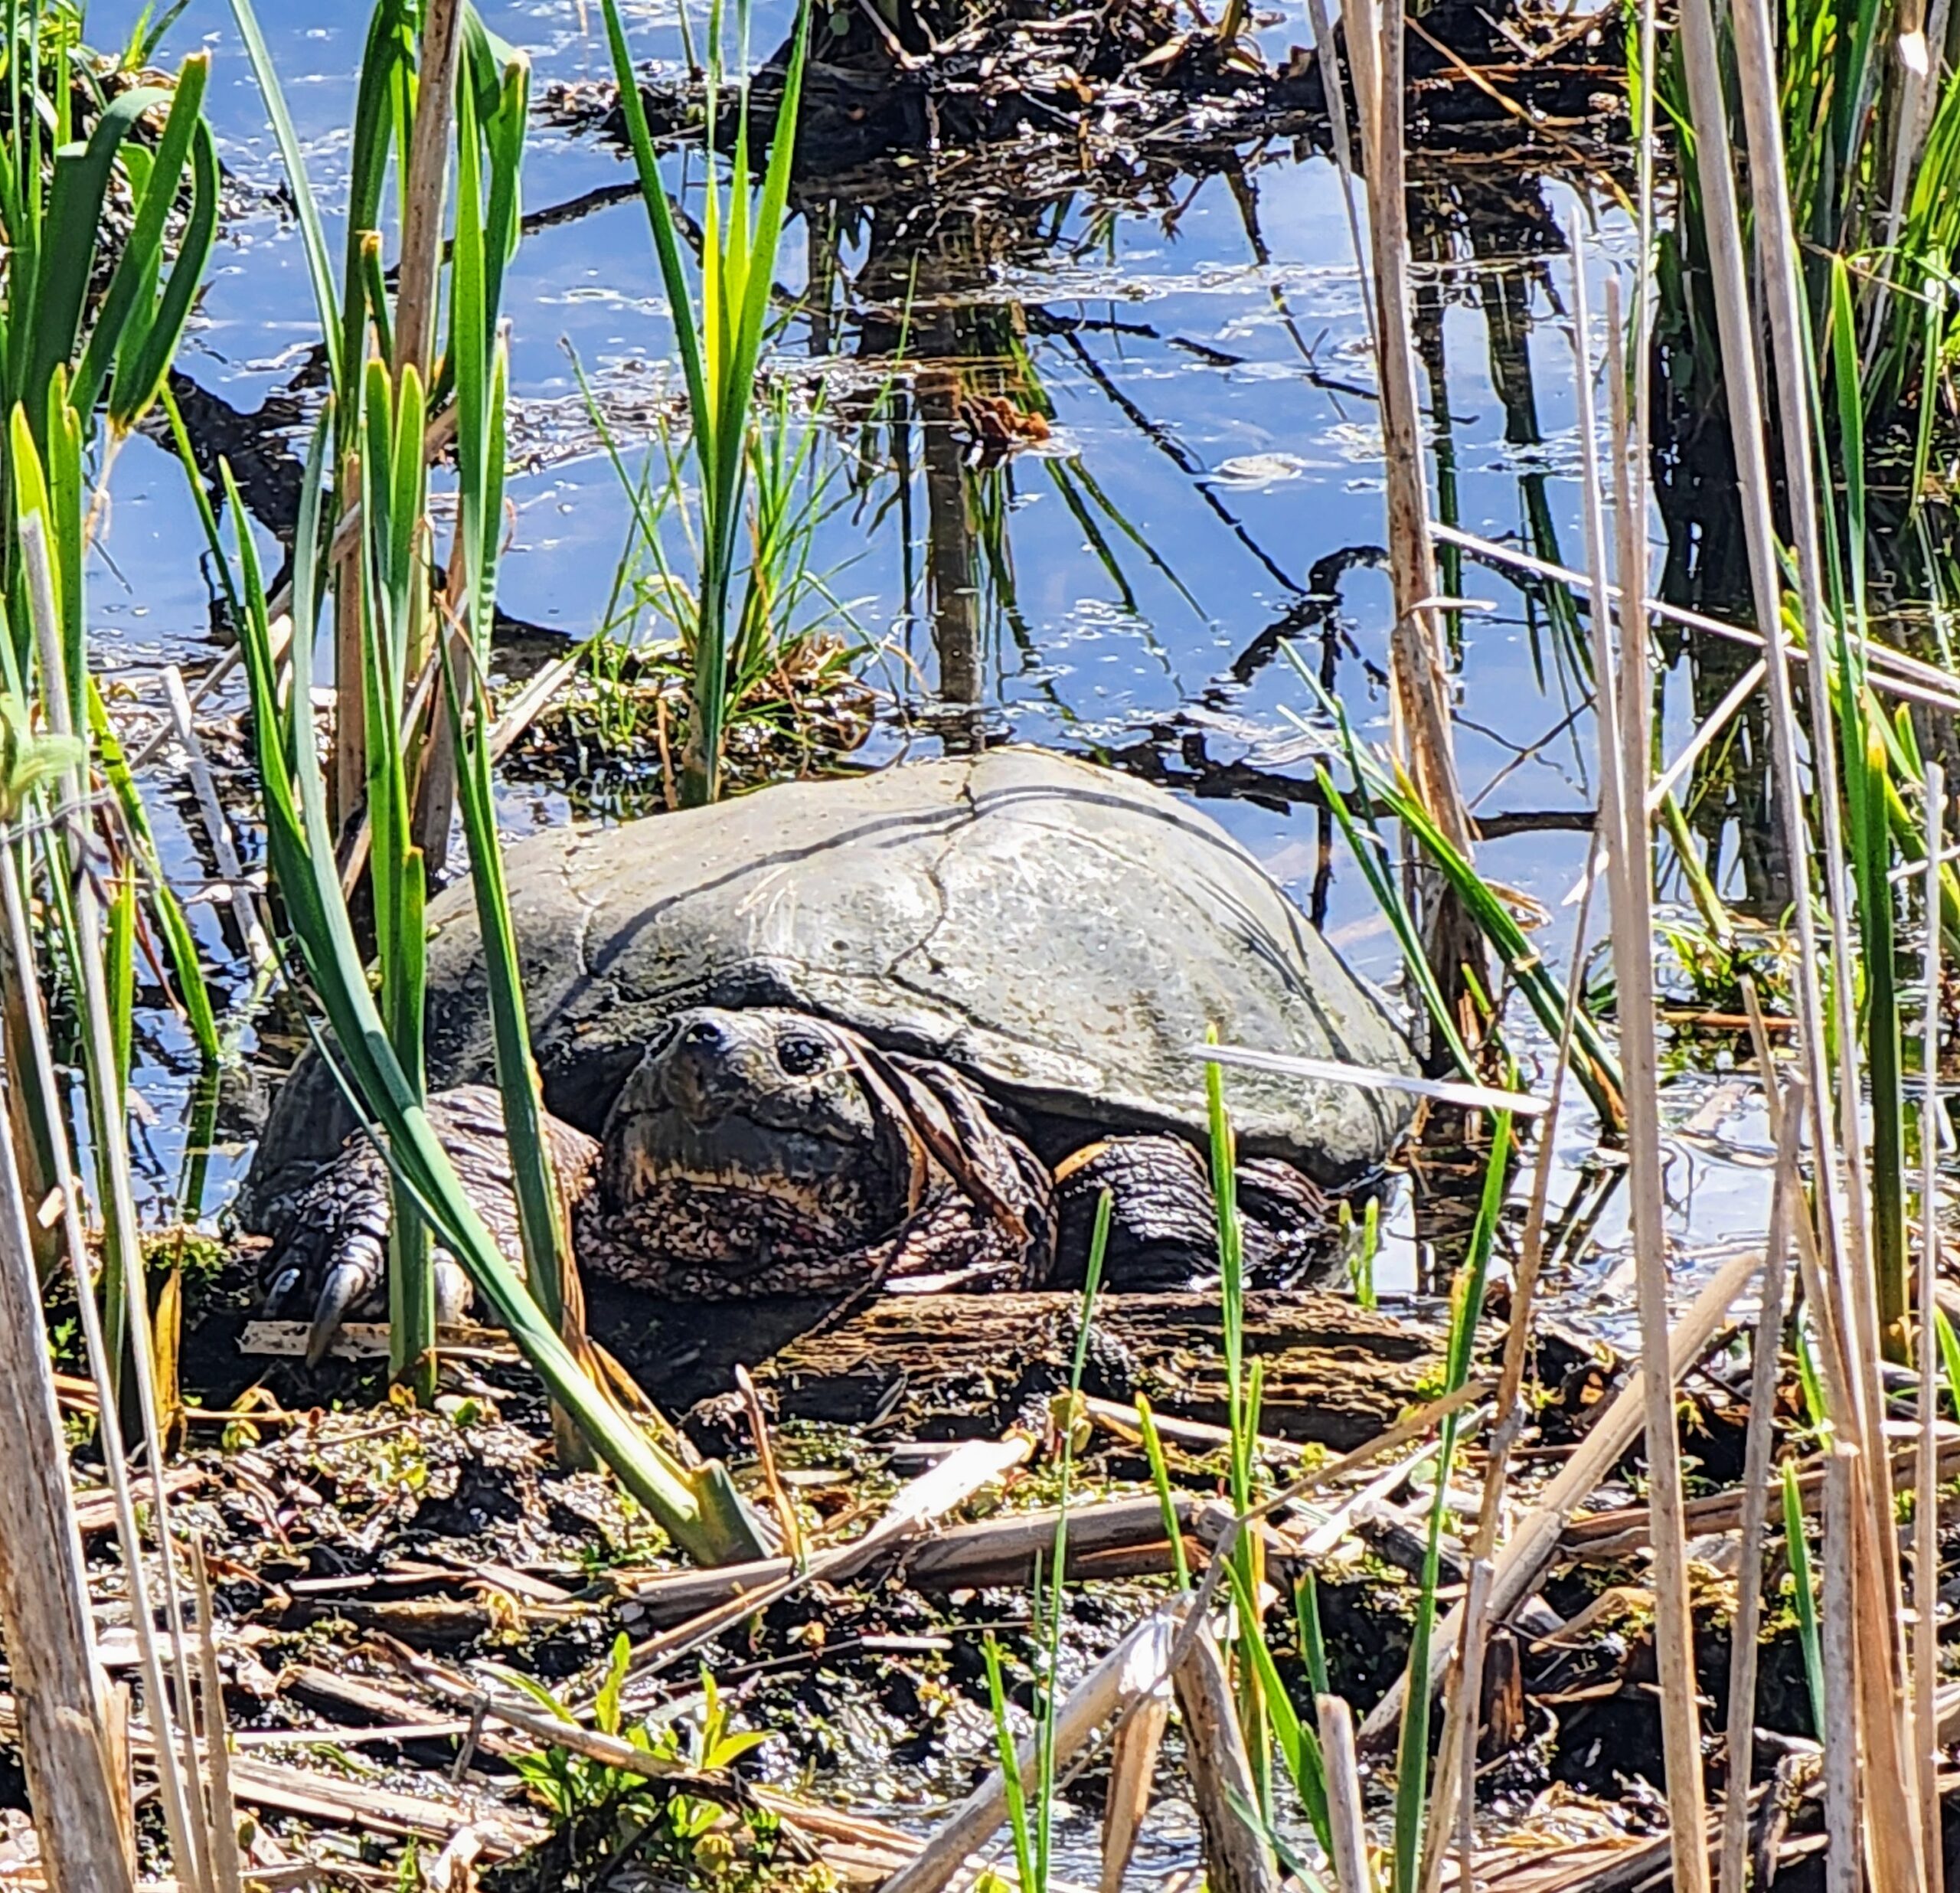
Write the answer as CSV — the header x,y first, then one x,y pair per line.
x,y
767,1067
745,1138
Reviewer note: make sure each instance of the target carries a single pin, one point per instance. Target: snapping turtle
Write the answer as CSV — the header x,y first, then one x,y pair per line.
x,y
907,1025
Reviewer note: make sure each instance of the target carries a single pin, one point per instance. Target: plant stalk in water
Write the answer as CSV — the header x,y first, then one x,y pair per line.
x,y
720,344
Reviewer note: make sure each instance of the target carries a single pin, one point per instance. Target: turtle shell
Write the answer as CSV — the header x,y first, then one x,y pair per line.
x,y
1062,934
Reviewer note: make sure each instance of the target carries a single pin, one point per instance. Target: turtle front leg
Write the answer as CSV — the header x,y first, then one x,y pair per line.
x,y
330,1236
1163,1225
329,1258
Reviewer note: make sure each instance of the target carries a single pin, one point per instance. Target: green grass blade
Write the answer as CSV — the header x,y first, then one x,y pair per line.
x,y
1313,1644
74,219
1298,1742
312,234
1803,1587
1006,1751
1160,1478
1467,1303
180,944
136,268
301,849
141,368
666,242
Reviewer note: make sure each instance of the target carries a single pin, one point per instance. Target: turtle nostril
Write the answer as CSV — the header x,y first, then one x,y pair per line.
x,y
703,1031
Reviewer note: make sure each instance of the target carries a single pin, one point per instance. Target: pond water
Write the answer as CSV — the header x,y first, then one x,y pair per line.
x,y
1212,441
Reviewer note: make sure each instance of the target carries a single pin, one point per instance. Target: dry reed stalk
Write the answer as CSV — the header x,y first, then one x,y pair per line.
x,y
1346,1818
1419,686
1922,95
175,1801
780,1499
1891,670
1455,1771
1761,1443
1470,1686
1842,1865
1133,1768
113,1162
1873,1732
1238,1851
1926,1503
1850,1302
58,1682
1777,250
1625,706
1527,1554
211,810
425,188
1766,1057
962,1472
1710,727
221,1809
523,709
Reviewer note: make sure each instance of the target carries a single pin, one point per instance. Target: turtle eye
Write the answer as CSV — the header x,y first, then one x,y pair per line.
x,y
800,1054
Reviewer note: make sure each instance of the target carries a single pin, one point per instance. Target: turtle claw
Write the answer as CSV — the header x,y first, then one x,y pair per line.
x,y
455,1297
349,1282
279,1292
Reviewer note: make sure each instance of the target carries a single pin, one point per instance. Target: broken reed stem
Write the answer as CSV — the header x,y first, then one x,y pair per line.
x,y
1132,1770
1456,1753
57,1682
113,1162
1842,1871
1625,746
1238,1855
1784,1202
1346,1818
1925,1501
